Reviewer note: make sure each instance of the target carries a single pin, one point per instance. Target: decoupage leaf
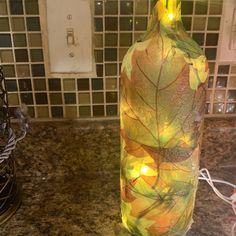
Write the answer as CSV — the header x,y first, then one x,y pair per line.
x,y
153,78
151,180
198,71
127,61
135,168
193,55
189,47
194,78
132,147
200,64
144,188
162,11
136,226
126,193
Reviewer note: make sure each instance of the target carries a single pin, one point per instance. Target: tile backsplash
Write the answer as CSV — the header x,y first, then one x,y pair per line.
x,y
117,25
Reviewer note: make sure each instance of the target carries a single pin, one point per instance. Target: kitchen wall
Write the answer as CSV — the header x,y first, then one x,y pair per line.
x,y
117,24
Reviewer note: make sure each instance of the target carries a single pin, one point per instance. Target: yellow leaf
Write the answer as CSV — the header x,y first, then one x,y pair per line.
x,y
193,78
127,61
197,70
162,11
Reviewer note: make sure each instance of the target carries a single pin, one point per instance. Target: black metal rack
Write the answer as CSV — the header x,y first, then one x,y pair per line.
x,y
9,191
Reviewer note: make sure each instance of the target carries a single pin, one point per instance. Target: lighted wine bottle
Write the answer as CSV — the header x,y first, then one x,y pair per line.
x,y
162,102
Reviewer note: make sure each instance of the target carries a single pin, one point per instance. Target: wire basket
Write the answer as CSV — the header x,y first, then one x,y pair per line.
x,y
9,191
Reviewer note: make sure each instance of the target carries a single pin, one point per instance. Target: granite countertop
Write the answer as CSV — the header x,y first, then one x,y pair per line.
x,y
69,172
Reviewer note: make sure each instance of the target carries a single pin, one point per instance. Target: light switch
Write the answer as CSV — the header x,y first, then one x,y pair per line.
x,y
70,37
69,26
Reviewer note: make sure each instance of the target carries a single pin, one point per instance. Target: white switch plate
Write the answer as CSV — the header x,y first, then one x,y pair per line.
x,y
67,33
227,45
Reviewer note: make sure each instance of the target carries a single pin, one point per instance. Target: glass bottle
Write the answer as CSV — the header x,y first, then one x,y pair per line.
x,y
162,98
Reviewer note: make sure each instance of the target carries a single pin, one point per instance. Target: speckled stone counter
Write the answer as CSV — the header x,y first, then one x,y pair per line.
x,y
69,172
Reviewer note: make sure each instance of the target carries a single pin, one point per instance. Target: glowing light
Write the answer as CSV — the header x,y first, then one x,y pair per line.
x,y
171,16
187,140
166,133
144,170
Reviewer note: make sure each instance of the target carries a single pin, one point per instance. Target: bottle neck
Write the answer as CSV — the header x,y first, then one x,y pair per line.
x,y
168,11
166,14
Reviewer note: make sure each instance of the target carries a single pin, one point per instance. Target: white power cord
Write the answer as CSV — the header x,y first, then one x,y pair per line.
x,y
205,175
21,114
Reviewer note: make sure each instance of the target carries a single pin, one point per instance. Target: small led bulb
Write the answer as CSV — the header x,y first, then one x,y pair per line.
x,y
171,16
144,170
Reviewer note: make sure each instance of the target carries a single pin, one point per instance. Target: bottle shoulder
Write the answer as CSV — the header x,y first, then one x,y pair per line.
x,y
168,50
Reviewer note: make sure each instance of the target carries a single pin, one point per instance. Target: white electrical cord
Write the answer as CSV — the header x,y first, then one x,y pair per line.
x,y
21,114
205,175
